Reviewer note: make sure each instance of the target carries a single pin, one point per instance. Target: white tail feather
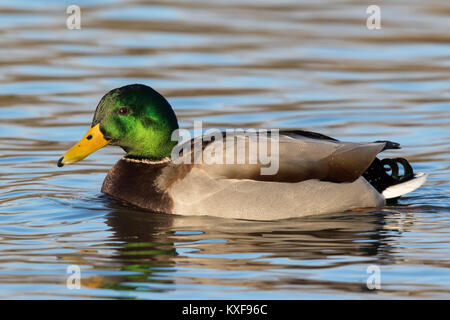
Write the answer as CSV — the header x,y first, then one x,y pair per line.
x,y
400,189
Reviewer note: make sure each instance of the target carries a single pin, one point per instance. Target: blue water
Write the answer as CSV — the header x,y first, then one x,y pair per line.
x,y
232,64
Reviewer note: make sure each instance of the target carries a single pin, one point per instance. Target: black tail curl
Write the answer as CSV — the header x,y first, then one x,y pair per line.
x,y
377,173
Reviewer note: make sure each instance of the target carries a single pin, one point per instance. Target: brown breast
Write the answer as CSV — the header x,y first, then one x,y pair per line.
x,y
135,182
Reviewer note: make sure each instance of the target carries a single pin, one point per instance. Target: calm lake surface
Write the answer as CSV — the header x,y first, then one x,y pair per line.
x,y
272,64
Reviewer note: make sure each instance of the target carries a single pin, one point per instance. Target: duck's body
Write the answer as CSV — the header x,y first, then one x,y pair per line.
x,y
197,193
315,174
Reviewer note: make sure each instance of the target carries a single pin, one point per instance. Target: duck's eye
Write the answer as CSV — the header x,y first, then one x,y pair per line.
x,y
123,111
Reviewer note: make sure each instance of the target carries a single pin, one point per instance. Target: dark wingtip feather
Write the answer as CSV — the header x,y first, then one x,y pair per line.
x,y
389,144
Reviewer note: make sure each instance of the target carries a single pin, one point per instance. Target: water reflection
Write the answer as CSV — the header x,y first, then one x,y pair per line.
x,y
164,251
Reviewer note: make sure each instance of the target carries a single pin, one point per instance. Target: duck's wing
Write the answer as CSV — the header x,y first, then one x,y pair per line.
x,y
285,156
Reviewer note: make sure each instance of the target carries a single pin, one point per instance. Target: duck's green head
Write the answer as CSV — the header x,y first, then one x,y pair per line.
x,y
134,117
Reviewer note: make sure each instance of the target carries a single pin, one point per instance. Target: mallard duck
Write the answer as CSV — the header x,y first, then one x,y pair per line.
x,y
316,174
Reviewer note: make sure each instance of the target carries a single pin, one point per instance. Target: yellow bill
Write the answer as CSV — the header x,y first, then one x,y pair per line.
x,y
91,142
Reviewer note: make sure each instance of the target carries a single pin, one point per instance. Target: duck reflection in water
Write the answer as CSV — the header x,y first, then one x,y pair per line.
x,y
158,249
